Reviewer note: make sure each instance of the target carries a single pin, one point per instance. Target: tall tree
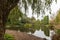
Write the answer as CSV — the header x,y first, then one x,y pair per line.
x,y
46,20
5,7
57,19
44,25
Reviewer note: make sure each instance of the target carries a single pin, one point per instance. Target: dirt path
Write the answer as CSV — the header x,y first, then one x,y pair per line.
x,y
22,36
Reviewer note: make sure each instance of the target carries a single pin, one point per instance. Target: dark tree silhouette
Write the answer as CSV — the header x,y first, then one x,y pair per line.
x,y
5,7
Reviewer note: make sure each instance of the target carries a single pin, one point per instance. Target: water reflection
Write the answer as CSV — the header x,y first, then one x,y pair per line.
x,y
42,35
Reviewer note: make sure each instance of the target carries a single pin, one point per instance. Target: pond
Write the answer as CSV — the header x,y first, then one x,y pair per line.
x,y
42,35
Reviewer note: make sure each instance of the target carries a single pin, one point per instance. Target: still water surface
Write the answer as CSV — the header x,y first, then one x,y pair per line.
x,y
42,35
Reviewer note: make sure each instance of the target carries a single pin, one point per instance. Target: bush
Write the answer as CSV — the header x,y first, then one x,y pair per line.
x,y
8,37
58,31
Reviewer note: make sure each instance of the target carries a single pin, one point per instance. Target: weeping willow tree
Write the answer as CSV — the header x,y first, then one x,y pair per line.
x,y
37,6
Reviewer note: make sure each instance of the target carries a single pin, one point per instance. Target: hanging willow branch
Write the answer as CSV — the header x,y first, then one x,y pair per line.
x,y
38,5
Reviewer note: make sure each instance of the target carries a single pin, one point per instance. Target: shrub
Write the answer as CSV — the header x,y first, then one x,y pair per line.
x,y
8,37
58,31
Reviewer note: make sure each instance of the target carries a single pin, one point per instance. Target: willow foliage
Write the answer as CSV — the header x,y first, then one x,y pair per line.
x,y
37,6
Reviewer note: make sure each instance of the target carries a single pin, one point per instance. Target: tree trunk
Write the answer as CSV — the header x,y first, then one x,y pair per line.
x,y
2,28
5,7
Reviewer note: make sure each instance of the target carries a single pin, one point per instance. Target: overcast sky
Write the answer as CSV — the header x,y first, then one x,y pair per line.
x,y
55,7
